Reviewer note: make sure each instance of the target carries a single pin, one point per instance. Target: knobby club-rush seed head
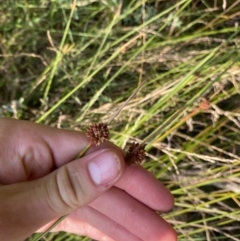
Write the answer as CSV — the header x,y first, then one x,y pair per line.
x,y
97,133
135,154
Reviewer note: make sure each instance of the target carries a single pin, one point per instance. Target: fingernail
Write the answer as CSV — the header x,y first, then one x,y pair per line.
x,y
104,168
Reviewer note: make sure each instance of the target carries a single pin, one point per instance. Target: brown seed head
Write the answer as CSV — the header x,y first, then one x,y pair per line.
x,y
97,133
135,157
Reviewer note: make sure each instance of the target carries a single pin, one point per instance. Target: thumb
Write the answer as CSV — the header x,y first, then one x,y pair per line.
x,y
27,206
80,182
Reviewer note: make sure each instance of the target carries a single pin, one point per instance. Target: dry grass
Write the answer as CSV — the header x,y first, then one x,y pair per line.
x,y
69,66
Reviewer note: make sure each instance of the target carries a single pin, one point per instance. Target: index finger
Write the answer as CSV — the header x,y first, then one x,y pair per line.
x,y
145,187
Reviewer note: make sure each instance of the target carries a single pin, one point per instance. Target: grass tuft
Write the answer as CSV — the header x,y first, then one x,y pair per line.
x,y
68,64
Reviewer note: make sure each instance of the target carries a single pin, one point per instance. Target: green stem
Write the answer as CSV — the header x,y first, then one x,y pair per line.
x,y
50,228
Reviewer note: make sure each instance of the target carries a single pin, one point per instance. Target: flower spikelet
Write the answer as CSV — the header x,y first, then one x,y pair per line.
x,y
135,156
97,133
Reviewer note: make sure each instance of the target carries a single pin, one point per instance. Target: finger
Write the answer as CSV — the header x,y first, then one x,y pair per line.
x,y
134,216
72,186
143,186
102,222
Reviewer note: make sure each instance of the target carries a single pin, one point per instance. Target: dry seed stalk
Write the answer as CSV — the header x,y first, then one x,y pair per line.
x,y
125,103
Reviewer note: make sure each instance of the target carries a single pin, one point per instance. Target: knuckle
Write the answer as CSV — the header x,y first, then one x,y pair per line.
x,y
66,191
62,192
56,198
78,187
64,188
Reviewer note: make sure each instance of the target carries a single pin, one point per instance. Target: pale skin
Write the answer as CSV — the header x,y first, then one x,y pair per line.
x,y
46,183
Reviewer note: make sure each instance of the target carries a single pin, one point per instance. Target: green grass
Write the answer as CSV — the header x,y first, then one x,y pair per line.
x,y
69,66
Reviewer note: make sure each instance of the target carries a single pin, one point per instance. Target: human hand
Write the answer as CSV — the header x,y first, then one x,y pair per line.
x,y
40,183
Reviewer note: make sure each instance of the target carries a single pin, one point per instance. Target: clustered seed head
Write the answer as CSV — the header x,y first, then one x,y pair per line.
x,y
135,157
97,133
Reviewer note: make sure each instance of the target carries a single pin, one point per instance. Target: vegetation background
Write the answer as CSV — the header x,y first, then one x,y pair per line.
x,y
68,64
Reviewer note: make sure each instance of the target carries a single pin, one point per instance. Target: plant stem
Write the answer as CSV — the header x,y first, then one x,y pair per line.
x,y
50,228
